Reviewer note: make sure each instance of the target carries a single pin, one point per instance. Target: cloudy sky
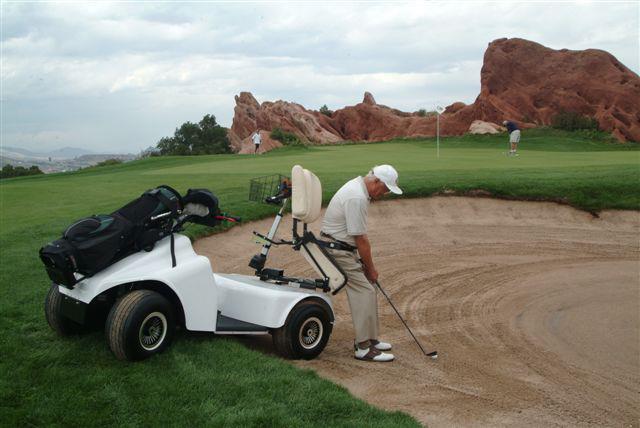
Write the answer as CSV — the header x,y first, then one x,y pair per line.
x,y
116,77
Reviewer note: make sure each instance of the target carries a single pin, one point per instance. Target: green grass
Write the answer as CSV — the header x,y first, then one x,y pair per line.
x,y
202,380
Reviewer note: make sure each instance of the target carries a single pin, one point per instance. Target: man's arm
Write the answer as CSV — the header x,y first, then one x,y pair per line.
x,y
364,250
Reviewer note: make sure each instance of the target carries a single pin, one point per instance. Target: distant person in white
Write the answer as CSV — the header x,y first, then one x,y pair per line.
x,y
345,221
257,140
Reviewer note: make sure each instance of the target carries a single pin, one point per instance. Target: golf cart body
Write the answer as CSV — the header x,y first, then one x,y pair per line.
x,y
202,294
146,291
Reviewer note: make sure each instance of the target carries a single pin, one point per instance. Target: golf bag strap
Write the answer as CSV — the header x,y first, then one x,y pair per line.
x,y
173,251
174,213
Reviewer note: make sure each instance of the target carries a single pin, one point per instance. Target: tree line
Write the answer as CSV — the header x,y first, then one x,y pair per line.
x,y
10,171
203,138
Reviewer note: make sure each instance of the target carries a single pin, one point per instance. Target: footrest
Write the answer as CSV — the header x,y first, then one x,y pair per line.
x,y
269,273
312,284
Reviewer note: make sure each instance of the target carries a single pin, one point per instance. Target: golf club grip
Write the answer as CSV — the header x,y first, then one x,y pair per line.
x,y
226,217
403,322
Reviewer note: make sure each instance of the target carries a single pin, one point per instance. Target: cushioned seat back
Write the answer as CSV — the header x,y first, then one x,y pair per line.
x,y
306,195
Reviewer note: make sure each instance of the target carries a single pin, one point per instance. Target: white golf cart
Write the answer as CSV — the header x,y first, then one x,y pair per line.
x,y
144,298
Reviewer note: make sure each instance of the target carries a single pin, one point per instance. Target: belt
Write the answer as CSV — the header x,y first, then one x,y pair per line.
x,y
336,244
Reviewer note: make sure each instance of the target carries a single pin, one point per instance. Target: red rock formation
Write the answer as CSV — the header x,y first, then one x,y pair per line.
x,y
520,80
527,82
457,106
369,121
368,99
249,115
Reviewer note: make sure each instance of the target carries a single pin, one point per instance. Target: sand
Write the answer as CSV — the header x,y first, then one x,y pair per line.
x,y
533,307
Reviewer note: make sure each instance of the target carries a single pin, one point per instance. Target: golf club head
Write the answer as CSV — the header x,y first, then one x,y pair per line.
x,y
433,355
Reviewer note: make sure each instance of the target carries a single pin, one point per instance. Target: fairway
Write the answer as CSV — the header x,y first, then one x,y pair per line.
x,y
210,380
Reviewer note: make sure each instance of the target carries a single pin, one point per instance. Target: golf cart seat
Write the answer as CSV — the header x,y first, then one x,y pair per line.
x,y
306,204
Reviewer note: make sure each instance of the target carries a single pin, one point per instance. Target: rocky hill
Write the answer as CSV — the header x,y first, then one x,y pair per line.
x,y
528,82
520,80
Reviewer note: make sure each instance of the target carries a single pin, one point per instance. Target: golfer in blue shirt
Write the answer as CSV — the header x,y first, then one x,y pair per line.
x,y
514,136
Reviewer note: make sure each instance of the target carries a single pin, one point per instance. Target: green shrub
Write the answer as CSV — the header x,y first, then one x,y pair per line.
x,y
286,138
572,121
424,113
108,162
10,171
325,110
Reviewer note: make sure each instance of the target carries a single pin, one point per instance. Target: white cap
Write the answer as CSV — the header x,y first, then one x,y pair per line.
x,y
504,122
389,176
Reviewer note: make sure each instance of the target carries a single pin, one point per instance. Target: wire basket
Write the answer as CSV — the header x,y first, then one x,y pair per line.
x,y
261,188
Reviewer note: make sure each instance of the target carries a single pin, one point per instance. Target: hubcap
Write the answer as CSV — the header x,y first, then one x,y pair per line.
x,y
310,333
153,331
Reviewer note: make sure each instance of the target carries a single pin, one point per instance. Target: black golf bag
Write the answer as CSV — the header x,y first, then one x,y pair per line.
x,y
91,244
152,216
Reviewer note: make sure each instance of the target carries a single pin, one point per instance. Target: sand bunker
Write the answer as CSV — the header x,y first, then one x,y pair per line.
x,y
533,307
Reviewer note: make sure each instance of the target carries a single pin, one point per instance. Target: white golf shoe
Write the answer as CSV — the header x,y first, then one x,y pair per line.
x,y
381,346
372,354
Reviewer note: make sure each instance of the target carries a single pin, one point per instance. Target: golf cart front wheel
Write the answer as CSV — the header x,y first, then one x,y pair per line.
x,y
140,325
306,331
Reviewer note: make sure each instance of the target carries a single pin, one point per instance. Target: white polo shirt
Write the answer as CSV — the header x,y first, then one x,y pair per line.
x,y
256,139
346,215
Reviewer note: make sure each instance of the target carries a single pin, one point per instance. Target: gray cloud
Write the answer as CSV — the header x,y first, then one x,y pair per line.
x,y
118,76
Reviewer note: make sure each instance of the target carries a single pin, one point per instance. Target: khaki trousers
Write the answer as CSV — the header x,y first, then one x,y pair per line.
x,y
361,294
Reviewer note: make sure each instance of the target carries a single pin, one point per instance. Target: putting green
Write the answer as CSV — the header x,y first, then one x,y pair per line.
x,y
406,157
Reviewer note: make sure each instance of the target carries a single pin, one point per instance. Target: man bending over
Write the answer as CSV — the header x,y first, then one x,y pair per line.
x,y
345,221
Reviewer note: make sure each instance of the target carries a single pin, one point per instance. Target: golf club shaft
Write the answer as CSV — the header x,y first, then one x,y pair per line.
x,y
428,354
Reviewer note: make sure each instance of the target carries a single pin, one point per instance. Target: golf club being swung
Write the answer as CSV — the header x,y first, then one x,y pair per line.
x,y
433,354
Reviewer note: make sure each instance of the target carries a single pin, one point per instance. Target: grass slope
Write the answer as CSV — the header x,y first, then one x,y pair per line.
x,y
204,380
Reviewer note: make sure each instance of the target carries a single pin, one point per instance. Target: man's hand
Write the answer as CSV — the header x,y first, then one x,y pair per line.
x,y
371,274
364,250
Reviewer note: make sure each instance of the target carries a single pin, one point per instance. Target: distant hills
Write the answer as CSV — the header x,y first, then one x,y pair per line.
x,y
64,159
63,153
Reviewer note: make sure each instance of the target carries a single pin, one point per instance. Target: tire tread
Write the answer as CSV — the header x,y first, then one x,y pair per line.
x,y
282,337
117,320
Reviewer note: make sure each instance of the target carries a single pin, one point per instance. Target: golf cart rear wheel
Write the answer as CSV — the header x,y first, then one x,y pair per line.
x,y
140,325
53,312
306,331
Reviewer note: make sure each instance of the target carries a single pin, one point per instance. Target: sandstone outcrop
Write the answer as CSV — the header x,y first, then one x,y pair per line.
x,y
249,116
368,99
457,106
520,80
482,127
527,82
